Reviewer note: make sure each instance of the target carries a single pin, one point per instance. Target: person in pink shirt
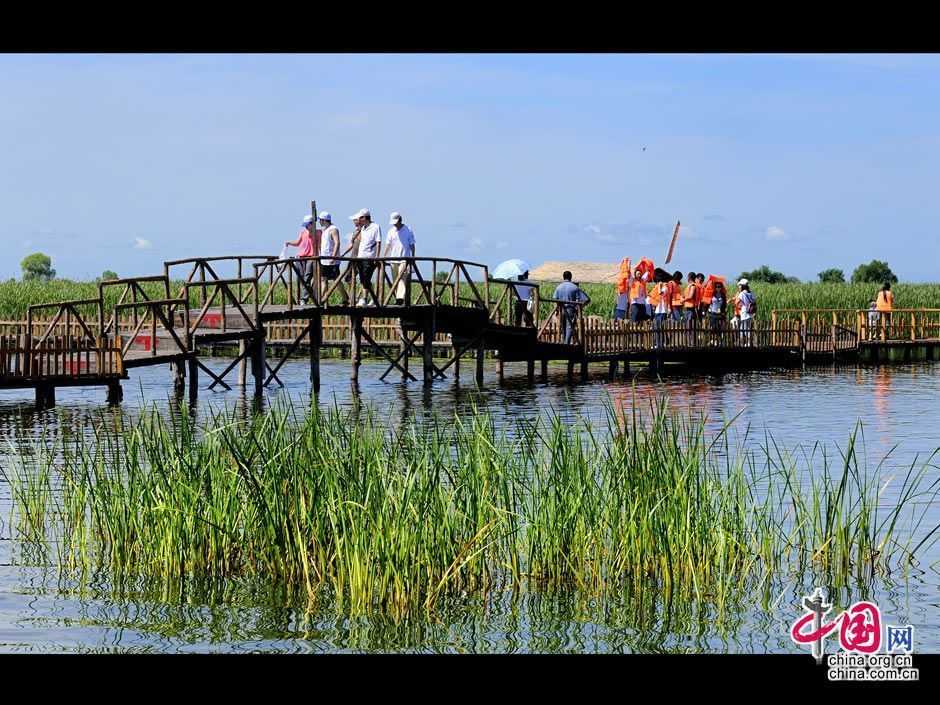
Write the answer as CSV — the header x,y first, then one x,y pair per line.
x,y
305,248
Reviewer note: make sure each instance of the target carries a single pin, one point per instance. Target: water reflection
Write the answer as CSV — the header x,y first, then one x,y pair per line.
x,y
39,613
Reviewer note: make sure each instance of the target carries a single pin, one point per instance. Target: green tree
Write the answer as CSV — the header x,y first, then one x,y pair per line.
x,y
876,272
767,275
37,266
832,276
107,275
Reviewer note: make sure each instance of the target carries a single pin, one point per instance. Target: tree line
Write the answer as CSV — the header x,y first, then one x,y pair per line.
x,y
875,272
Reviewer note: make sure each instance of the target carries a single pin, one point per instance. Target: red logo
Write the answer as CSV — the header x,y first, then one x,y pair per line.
x,y
860,626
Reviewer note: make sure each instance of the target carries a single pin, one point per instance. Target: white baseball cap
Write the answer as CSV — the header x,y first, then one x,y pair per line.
x,y
394,218
308,219
363,213
325,216
743,282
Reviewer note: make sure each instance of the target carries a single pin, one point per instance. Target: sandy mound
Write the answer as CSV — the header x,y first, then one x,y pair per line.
x,y
591,272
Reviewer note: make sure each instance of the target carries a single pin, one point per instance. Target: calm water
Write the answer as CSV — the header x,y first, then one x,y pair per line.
x,y
896,406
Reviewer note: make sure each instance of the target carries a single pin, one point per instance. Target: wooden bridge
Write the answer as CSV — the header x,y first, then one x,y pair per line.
x,y
404,309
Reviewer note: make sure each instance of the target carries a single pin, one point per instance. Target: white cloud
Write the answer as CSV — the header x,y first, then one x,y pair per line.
x,y
776,233
593,229
142,244
474,245
502,245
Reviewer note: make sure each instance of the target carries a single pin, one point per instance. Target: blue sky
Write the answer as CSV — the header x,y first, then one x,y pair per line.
x,y
799,162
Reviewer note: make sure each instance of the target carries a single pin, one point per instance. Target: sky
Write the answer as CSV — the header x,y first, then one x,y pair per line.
x,y
800,162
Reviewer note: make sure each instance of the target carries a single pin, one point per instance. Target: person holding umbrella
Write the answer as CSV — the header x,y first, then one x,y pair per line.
x,y
518,270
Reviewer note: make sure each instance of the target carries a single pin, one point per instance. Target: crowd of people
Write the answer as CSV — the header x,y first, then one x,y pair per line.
x,y
365,241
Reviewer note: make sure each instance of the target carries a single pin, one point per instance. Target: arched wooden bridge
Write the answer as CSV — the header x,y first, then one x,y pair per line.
x,y
406,309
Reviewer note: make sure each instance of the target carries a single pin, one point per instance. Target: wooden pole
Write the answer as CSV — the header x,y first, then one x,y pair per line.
x,y
193,379
316,339
243,365
530,370
428,341
479,371
356,348
544,370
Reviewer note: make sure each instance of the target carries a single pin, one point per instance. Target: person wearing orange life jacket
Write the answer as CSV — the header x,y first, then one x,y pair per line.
x,y
884,303
676,296
638,297
689,300
622,305
660,300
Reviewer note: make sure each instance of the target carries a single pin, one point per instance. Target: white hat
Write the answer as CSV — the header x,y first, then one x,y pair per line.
x,y
325,216
363,213
394,218
308,219
743,282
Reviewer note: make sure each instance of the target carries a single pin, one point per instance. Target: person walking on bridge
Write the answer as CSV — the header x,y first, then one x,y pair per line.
x,y
370,246
400,243
571,294
329,250
884,304
746,308
304,245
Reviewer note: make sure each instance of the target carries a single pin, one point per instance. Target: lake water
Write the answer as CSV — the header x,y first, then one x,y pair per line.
x,y
896,406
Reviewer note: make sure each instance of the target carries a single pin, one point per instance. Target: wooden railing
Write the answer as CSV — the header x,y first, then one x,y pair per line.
x,y
59,357
904,324
297,282
203,270
337,331
238,313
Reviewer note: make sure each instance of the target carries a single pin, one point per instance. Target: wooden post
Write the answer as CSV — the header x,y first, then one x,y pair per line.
x,y
258,359
178,370
612,370
584,369
456,351
356,348
530,370
243,364
316,338
499,369
115,393
544,370
404,350
193,379
479,371
570,371
428,341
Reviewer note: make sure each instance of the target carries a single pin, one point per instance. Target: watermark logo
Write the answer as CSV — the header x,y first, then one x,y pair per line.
x,y
860,636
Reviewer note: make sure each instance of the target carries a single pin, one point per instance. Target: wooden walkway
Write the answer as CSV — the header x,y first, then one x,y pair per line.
x,y
404,310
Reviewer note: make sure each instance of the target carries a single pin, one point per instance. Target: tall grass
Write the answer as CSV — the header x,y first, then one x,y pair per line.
x,y
332,504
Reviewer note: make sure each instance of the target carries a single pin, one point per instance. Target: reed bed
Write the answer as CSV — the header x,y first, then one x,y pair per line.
x,y
332,504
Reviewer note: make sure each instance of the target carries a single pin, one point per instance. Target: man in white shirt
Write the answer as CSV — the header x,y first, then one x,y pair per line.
x,y
329,248
370,247
400,243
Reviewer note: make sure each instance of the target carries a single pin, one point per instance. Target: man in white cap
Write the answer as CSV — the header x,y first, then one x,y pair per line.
x,y
745,304
305,248
329,249
400,243
370,247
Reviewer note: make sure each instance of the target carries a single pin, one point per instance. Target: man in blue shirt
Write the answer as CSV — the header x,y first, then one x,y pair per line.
x,y
570,294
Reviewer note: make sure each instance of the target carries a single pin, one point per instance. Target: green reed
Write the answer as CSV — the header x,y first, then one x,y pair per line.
x,y
335,505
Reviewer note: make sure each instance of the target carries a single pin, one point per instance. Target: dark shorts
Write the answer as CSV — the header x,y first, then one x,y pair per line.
x,y
329,271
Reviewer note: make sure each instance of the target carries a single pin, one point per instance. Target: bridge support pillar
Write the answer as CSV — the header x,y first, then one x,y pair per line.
x,y
570,371
193,379
258,361
499,369
611,370
530,371
316,339
481,351
626,367
544,370
115,393
428,345
45,396
178,371
243,365
584,370
405,351
456,352
355,351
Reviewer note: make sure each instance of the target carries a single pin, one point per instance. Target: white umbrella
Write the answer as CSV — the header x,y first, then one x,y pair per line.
x,y
510,269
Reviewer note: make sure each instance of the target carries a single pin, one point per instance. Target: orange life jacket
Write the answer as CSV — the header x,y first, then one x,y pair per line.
x,y
637,290
691,296
656,294
677,298
710,287
623,278
646,267
885,301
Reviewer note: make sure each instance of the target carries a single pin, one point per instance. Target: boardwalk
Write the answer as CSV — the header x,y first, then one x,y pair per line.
x,y
406,310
